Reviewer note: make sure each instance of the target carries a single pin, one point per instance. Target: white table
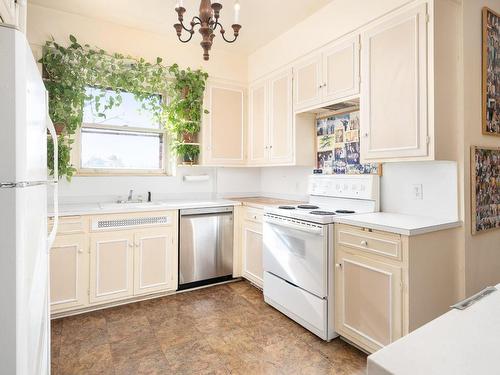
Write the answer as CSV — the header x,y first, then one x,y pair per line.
x,y
460,342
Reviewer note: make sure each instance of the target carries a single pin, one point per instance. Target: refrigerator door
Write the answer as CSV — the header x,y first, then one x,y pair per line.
x,y
23,156
24,342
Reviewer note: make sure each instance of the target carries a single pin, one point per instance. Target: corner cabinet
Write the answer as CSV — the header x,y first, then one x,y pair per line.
x,y
409,91
223,128
387,284
329,76
276,135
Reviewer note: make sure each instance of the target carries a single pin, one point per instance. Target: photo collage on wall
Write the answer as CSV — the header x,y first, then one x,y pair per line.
x,y
485,170
338,146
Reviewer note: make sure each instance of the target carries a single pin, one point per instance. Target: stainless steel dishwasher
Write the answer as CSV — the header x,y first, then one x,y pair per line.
x,y
205,246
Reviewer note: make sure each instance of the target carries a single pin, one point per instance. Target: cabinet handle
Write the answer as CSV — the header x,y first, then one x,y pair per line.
x,y
130,245
271,146
364,243
80,251
338,265
365,135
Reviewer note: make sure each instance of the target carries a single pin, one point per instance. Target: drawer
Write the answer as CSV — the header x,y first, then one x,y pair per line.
x,y
254,214
69,224
115,222
375,242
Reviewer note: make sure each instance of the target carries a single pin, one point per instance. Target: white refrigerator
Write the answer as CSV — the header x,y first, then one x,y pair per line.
x,y
25,190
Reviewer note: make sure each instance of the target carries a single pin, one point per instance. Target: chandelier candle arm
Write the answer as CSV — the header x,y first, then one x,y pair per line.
x,y
208,21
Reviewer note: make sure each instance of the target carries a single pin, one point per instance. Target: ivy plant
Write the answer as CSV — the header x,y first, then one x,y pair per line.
x,y
68,71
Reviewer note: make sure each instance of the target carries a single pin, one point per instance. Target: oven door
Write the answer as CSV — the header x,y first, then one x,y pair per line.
x,y
297,252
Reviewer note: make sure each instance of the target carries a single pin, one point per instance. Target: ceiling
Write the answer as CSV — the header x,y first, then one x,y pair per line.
x,y
262,20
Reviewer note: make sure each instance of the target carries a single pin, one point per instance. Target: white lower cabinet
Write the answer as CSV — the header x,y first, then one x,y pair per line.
x,y
98,260
112,266
251,248
155,261
370,297
69,278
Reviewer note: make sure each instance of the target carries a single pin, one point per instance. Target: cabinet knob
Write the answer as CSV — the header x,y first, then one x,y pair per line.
x,y
271,146
365,135
338,265
80,251
364,243
130,245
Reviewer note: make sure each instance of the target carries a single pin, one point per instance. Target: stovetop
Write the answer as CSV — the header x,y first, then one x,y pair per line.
x,y
309,212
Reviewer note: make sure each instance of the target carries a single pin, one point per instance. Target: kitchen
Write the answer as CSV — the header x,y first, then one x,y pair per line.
x,y
313,204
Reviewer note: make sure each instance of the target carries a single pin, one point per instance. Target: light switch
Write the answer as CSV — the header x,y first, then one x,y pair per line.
x,y
418,192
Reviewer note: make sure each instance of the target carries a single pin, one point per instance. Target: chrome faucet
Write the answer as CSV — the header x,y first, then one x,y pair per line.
x,y
130,195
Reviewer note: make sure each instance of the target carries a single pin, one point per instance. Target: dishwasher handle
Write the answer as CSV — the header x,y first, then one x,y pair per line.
x,y
206,211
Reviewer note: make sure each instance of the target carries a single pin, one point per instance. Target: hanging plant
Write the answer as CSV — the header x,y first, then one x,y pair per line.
x,y
69,71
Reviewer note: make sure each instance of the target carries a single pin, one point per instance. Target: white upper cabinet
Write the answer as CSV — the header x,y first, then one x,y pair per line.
x,y
258,123
223,129
8,12
328,76
341,69
394,109
281,129
307,82
275,134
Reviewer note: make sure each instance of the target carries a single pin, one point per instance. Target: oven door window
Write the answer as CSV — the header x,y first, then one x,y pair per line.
x,y
297,256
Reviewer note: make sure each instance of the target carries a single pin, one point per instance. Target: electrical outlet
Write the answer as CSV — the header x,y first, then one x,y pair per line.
x,y
418,192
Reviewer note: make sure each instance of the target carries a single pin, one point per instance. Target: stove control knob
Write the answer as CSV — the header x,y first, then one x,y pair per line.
x,y
364,243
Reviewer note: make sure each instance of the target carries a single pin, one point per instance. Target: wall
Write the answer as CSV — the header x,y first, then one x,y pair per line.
x,y
482,251
333,20
44,23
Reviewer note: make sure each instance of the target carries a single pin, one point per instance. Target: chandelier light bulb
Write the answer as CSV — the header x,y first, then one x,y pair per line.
x,y
237,12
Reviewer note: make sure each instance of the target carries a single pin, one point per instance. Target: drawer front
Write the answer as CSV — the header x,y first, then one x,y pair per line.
x,y
374,242
132,220
69,224
254,214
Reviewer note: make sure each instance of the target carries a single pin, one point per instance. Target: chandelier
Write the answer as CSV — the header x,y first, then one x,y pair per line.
x,y
208,21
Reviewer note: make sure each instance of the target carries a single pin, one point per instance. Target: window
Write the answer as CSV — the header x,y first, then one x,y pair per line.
x,y
129,140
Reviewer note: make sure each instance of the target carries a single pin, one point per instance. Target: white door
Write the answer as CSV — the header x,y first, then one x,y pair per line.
x,y
394,88
258,148
368,300
281,119
251,240
307,82
341,69
223,130
155,263
112,266
69,272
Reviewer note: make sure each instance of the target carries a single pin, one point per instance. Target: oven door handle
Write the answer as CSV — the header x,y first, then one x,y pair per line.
x,y
313,229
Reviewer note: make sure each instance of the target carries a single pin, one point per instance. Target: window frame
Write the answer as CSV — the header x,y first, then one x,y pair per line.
x,y
76,151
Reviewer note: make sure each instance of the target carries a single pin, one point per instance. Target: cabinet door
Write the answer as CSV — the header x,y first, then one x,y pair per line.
x,y
368,300
8,12
307,83
251,243
394,88
155,261
341,69
69,273
112,266
281,119
258,124
223,127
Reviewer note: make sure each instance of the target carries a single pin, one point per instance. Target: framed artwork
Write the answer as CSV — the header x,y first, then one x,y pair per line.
x,y
485,188
338,150
491,72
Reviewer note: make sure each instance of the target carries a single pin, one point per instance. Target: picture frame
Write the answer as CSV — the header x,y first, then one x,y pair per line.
x,y
491,73
485,189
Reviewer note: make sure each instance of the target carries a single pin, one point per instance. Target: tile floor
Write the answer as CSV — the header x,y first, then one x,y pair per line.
x,y
226,329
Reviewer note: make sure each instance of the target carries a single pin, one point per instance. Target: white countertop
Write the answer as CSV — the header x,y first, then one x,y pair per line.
x,y
112,208
407,225
465,342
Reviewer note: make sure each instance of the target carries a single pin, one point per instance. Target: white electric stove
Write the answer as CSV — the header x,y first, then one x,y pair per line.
x,y
299,252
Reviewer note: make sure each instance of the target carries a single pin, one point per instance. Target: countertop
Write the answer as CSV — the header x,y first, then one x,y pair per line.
x,y
460,342
407,225
113,208
261,202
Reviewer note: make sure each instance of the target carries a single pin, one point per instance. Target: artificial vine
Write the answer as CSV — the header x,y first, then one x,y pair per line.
x,y
68,71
